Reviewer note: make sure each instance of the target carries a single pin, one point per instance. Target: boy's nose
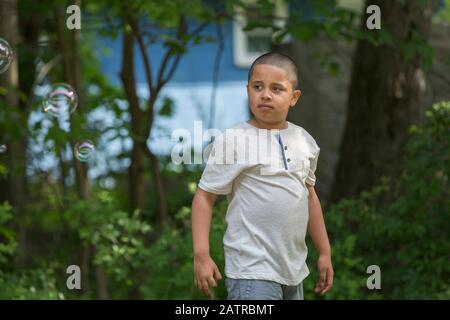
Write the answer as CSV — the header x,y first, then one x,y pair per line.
x,y
265,95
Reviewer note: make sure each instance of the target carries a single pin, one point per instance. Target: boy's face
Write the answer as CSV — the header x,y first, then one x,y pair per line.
x,y
271,94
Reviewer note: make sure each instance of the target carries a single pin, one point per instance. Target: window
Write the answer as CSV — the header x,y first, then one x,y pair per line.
x,y
353,5
248,45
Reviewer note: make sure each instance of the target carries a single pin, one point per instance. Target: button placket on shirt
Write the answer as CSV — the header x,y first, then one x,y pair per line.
x,y
288,159
286,155
293,162
283,154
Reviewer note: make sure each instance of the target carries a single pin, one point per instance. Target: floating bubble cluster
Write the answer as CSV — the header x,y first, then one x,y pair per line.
x,y
84,150
61,100
6,55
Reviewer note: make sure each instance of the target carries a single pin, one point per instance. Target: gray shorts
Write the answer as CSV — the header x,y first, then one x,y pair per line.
x,y
252,289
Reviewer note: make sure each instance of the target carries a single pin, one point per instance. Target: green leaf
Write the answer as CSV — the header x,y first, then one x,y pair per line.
x,y
167,106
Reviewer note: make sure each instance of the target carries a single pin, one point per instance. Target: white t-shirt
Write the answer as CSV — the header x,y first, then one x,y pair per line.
x,y
263,173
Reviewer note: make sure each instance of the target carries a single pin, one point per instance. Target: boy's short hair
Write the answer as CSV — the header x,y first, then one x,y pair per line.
x,y
281,61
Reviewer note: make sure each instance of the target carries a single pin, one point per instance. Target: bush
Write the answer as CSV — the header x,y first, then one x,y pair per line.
x,y
36,283
116,239
171,273
408,237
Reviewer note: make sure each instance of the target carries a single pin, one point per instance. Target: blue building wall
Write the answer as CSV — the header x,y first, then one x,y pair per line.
x,y
195,66
191,86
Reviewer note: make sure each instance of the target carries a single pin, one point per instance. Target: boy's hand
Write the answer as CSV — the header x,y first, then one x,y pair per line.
x,y
206,274
326,274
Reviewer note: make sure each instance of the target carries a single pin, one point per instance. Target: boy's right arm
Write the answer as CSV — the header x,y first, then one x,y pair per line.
x,y
206,272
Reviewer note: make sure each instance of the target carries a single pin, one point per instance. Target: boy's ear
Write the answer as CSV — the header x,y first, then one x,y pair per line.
x,y
295,96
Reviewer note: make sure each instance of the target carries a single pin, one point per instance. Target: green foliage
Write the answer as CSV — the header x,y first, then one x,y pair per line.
x,y
167,107
30,284
7,242
351,224
170,273
444,12
37,283
406,237
117,238
417,45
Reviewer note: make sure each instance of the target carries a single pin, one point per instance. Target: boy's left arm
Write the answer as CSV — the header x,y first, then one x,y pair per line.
x,y
318,232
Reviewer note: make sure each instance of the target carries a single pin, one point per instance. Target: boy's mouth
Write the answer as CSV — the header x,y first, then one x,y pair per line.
x,y
265,106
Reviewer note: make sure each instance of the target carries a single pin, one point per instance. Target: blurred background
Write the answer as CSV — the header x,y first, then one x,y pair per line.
x,y
91,92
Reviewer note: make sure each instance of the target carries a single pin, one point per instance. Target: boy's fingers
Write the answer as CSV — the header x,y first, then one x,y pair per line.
x,y
326,289
329,282
323,277
205,287
318,287
322,281
217,274
212,282
330,276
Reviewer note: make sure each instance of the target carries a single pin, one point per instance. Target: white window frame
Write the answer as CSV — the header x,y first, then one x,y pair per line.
x,y
242,57
353,5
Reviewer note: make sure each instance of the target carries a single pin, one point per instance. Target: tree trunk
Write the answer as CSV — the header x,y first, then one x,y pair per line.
x,y
158,182
85,266
72,75
102,287
385,96
74,58
137,168
13,188
63,169
156,174
71,66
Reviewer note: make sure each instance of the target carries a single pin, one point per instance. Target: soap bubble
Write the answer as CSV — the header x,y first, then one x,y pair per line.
x,y
6,55
84,150
3,148
61,100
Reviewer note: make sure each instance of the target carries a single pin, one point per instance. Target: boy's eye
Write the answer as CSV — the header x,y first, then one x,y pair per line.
x,y
277,89
256,87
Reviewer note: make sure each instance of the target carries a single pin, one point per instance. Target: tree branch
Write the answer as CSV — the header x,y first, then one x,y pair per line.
x,y
169,53
216,73
143,49
440,76
182,27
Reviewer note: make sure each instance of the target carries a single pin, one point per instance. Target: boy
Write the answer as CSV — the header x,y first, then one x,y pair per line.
x,y
270,204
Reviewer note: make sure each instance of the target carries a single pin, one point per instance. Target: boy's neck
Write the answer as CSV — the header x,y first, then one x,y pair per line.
x,y
263,125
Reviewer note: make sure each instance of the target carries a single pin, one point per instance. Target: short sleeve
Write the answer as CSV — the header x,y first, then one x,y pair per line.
x,y
221,167
311,178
